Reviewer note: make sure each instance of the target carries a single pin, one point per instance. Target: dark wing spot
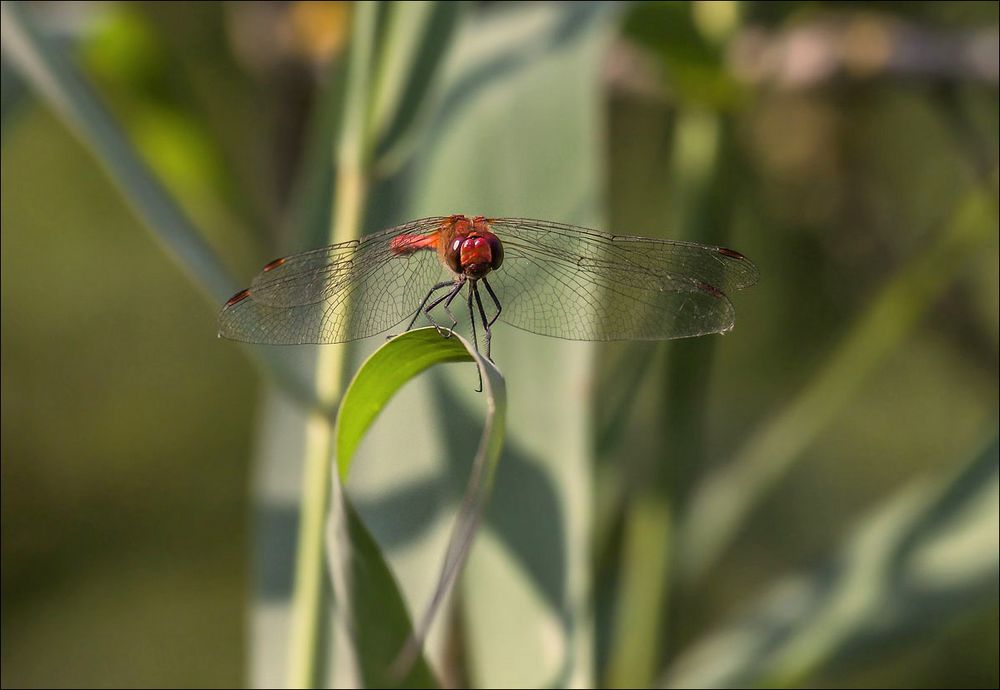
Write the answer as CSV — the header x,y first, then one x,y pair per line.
x,y
237,298
711,290
274,264
730,252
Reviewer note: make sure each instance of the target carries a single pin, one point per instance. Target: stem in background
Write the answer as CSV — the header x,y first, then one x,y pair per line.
x,y
310,596
641,611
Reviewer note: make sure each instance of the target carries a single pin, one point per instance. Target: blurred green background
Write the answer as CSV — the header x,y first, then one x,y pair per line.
x,y
810,500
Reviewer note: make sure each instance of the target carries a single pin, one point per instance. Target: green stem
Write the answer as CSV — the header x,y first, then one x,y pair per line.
x,y
641,614
310,594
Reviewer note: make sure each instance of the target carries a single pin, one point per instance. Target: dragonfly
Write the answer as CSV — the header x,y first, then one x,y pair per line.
x,y
547,278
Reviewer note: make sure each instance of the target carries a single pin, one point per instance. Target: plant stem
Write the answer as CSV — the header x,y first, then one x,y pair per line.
x,y
310,595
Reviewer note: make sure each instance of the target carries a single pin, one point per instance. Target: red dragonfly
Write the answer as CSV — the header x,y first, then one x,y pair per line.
x,y
548,278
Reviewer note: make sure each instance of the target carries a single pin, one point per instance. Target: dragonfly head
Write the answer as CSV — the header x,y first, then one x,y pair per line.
x,y
475,254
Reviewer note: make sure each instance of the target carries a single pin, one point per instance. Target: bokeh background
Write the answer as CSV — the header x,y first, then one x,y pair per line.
x,y
810,500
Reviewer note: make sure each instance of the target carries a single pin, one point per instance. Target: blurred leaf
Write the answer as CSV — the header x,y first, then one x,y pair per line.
x,y
722,503
56,79
420,34
67,92
310,206
929,554
693,63
13,94
169,74
126,49
379,636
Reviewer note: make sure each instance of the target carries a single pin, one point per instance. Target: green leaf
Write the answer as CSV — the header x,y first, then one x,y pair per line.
x,y
381,376
372,609
379,629
928,554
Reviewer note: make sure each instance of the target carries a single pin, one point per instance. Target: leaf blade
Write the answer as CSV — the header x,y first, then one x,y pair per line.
x,y
927,553
395,657
380,377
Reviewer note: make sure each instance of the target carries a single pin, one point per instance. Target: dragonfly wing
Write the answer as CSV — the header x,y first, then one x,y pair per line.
x,y
580,284
319,274
335,294
567,301
723,269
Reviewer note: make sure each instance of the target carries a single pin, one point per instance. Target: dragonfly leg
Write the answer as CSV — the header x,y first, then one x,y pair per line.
x,y
456,288
447,307
493,296
486,323
434,289
475,340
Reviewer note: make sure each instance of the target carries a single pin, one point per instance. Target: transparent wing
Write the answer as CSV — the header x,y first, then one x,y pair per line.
x,y
570,282
338,293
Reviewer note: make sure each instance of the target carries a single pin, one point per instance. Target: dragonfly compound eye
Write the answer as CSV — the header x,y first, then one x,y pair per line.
x,y
453,254
496,251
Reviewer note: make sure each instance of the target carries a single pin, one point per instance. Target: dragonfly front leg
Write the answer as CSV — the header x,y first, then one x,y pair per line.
x,y
449,297
434,289
447,306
